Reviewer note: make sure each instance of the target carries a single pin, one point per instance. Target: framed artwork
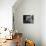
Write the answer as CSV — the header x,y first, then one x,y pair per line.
x,y
28,19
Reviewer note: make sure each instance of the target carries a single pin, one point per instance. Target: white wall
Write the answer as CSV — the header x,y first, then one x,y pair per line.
x,y
6,13
29,7
43,22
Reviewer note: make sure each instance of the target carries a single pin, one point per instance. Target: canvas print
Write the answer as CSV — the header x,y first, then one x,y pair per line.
x,y
28,19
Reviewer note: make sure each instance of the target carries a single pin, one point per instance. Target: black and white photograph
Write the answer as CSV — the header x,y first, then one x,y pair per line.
x,y
28,19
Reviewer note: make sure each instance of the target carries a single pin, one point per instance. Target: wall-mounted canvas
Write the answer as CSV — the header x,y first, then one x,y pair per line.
x,y
28,19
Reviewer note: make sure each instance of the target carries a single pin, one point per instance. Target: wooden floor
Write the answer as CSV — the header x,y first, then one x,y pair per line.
x,y
9,43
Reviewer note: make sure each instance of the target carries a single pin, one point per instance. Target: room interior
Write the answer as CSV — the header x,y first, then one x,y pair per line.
x,y
22,23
